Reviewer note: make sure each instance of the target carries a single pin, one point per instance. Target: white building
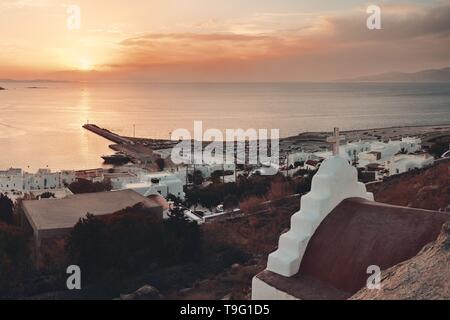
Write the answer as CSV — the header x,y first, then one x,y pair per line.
x,y
119,179
163,153
386,155
93,175
381,151
349,151
16,180
353,149
163,183
208,169
298,157
405,162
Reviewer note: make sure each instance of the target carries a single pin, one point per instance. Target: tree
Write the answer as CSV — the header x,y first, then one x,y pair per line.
x,y
122,243
299,164
176,214
176,200
230,202
86,186
47,195
14,260
192,197
182,238
438,148
216,176
198,179
160,163
6,209
113,249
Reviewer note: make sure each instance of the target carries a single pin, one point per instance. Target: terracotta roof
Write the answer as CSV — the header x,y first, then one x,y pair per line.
x,y
160,200
312,162
359,233
355,235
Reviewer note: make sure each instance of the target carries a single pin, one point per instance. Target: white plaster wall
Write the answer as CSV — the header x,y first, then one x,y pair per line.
x,y
11,183
408,163
264,291
44,179
298,157
175,187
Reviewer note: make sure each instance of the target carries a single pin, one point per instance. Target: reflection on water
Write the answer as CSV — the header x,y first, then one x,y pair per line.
x,y
44,132
43,127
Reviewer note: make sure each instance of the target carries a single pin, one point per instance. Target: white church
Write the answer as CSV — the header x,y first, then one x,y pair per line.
x,y
340,232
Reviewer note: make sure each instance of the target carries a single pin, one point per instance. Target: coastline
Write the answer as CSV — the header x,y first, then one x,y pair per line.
x,y
141,150
315,141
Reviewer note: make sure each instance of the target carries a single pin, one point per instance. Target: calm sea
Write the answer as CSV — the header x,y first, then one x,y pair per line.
x,y
42,127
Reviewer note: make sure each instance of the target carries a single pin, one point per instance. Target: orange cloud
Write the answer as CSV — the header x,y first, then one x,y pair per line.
x,y
195,48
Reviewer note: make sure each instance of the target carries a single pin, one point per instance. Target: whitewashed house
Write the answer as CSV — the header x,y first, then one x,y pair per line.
x,y
11,180
163,183
293,158
405,162
17,180
353,149
208,169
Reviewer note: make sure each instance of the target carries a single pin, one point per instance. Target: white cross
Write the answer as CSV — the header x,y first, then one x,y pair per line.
x,y
335,140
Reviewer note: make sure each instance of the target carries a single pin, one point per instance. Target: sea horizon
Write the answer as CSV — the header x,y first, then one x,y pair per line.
x,y
43,128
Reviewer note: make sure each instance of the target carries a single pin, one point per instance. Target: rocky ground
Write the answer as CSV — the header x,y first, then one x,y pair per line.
x,y
424,277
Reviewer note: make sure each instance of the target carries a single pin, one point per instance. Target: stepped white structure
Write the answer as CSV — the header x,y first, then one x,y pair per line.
x,y
335,181
338,233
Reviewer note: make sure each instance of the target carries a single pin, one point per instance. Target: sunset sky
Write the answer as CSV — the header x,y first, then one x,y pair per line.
x,y
211,40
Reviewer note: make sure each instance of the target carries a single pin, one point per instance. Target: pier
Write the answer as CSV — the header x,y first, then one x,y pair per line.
x,y
108,134
139,150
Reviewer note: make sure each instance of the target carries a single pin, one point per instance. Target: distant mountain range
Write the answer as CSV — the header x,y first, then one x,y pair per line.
x,y
429,75
432,75
33,81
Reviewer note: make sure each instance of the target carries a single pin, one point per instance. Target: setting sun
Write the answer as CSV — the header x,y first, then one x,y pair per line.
x,y
85,65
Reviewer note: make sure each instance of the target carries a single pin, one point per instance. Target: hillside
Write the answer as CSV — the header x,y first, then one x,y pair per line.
x,y
257,235
439,75
425,189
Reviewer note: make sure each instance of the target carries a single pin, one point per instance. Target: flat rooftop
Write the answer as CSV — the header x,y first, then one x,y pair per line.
x,y
51,214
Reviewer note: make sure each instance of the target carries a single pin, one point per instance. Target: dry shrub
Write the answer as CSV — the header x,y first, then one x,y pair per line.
x,y
251,204
279,190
